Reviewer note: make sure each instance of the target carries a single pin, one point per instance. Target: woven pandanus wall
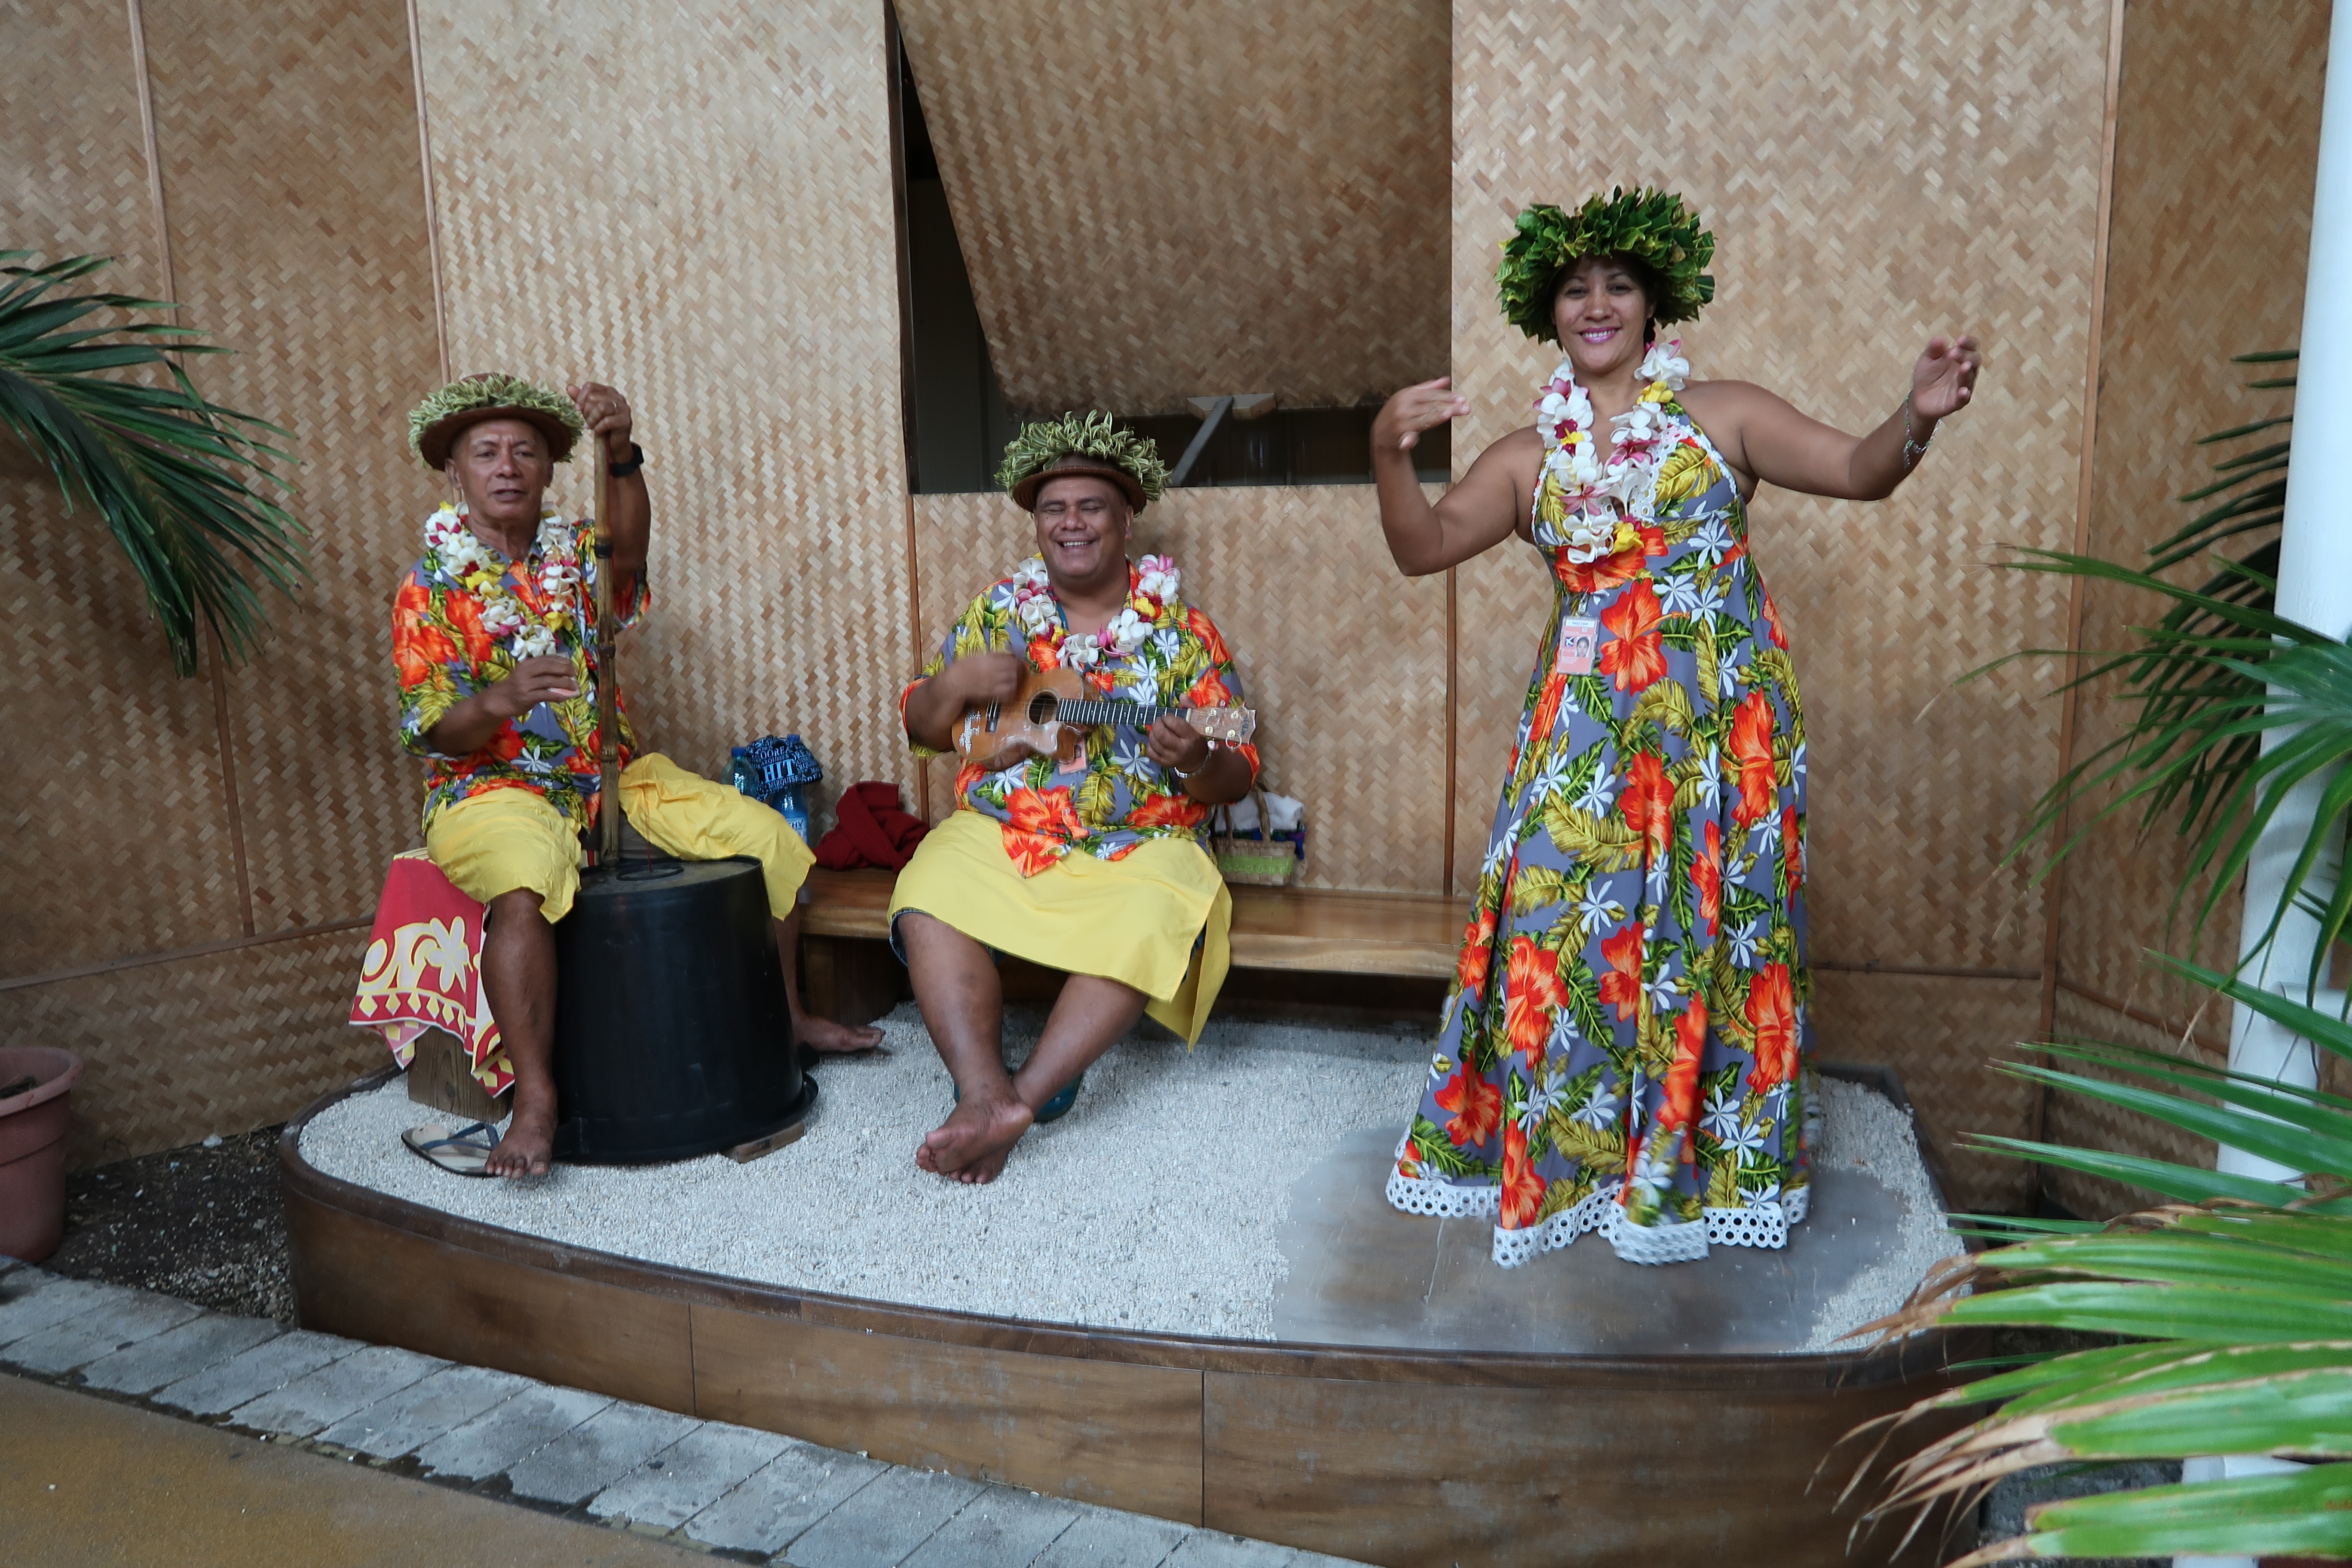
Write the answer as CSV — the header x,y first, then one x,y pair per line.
x,y
224,813
695,205
1873,175
2217,139
1344,661
90,695
1156,200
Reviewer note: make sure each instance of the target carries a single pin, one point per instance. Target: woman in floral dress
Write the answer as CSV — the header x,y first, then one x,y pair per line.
x,y
1622,1050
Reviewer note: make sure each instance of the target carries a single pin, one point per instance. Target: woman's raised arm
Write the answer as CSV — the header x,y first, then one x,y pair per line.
x,y
1761,435
1474,516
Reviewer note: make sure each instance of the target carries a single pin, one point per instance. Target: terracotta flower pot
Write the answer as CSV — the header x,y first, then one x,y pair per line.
x,y
33,1149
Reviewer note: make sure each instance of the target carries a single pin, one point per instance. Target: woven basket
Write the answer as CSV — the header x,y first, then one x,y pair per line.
x,y
1262,862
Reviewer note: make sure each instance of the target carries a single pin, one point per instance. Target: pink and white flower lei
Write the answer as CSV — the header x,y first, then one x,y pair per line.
x,y
1600,496
1035,605
451,549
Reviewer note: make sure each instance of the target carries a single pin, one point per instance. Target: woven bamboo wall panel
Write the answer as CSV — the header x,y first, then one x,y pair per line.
x,y
1344,662
2095,1124
1156,200
330,305
1942,1036
703,218
2216,145
115,837
175,1052
1873,175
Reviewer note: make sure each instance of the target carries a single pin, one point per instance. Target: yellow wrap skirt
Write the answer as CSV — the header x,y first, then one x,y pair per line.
x,y
1159,919
503,839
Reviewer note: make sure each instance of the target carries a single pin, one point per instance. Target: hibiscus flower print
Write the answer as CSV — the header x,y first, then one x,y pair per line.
x,y
1533,993
1547,707
1750,745
1679,1104
1477,952
1772,1015
1793,847
1706,878
1633,655
1046,812
1648,803
1622,987
1477,1105
1523,1189
1167,811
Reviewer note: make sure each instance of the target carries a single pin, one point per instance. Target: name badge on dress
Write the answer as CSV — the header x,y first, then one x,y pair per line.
x,y
1578,635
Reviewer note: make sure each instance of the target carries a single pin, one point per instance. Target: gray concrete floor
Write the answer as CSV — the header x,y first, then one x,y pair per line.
x,y
1363,1273
301,1447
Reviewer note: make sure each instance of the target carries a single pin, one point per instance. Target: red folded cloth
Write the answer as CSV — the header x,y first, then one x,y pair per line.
x,y
871,829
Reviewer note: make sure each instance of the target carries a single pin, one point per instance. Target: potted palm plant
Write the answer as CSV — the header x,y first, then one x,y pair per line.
x,y
103,401
2222,1313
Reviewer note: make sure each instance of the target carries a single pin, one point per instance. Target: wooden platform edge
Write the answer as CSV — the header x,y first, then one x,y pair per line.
x,y
1352,1450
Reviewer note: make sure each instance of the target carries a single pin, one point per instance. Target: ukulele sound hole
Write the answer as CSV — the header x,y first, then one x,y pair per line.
x,y
1042,706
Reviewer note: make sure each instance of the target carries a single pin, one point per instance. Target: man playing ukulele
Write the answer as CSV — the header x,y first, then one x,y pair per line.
x,y
1094,866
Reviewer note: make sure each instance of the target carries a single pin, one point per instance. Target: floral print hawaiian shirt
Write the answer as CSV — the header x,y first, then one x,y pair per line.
x,y
444,654
1116,796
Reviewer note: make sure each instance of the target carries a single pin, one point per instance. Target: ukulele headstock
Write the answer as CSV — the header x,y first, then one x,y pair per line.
x,y
1233,726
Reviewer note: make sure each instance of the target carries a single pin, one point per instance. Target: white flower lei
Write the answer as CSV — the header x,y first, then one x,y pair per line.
x,y
451,550
1599,495
1040,612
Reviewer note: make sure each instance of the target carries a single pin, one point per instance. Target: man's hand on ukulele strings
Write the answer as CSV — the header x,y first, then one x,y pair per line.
x,y
1173,743
984,678
544,678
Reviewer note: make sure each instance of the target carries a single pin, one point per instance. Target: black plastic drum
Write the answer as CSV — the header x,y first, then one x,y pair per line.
x,y
673,1037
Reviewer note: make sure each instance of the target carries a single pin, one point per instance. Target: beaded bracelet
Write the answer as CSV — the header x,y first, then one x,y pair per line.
x,y
1912,450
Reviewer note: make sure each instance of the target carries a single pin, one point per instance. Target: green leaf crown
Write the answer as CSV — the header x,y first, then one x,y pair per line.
x,y
1098,436
1652,226
491,391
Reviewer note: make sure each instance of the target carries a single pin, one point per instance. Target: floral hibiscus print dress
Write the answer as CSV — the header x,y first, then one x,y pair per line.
x,y
1621,1049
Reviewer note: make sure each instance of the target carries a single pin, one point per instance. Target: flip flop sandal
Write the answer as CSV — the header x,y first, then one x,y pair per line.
x,y
465,1152
1057,1108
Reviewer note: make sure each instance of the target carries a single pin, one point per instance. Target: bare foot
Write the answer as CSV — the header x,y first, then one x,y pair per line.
x,y
529,1147
829,1038
971,1143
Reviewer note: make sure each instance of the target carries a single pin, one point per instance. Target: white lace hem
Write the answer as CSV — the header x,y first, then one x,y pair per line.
x,y
1758,1224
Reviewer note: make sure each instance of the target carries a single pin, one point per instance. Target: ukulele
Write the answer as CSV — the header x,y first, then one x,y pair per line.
x,y
1052,710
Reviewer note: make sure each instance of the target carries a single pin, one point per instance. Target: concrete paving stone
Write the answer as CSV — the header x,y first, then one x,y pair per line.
x,y
689,1476
272,1364
177,1353
1215,1549
423,1410
598,1452
1105,1538
1003,1527
883,1521
775,1505
505,1434
317,1400
129,1318
33,1298
1319,1559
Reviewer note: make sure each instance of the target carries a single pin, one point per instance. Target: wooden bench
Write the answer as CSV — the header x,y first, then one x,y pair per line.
x,y
852,976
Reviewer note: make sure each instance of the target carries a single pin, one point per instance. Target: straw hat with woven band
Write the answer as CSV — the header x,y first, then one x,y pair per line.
x,y
434,425
1081,446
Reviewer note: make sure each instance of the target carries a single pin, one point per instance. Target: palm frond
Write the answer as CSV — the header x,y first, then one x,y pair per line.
x,y
180,481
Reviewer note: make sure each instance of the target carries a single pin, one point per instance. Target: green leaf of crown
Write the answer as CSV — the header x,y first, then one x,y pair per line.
x,y
1650,224
1097,435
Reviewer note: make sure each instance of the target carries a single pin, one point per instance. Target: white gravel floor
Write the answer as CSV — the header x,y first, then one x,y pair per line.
x,y
1864,1130
1153,1205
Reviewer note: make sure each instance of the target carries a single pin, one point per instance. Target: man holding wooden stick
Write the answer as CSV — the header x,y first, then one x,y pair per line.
x,y
494,634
